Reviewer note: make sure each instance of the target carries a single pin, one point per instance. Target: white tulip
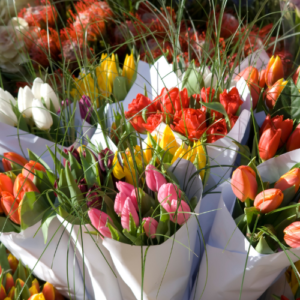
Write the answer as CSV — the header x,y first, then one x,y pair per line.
x,y
209,82
36,88
48,94
10,98
41,116
7,115
19,23
25,98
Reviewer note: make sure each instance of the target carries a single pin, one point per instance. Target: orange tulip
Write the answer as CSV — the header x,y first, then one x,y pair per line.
x,y
13,161
274,71
49,291
36,284
10,207
2,293
293,142
6,183
12,293
23,185
296,75
289,179
250,74
30,168
13,262
244,183
9,282
20,281
272,93
262,78
269,143
268,200
292,235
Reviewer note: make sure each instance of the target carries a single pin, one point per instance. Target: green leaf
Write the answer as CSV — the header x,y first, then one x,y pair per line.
x,y
120,88
135,240
46,221
288,102
263,246
114,233
111,212
251,213
34,157
132,225
57,163
192,80
32,209
22,125
217,107
76,168
10,226
41,181
3,258
20,272
68,217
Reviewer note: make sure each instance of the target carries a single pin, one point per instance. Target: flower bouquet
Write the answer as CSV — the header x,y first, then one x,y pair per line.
x,y
25,208
261,212
130,207
37,120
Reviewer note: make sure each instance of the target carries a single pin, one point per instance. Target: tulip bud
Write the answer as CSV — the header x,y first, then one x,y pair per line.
x,y
150,227
296,76
6,110
48,291
129,68
6,183
273,92
181,207
41,116
168,192
274,71
289,179
7,98
25,98
85,107
292,235
293,142
13,161
2,293
30,168
82,185
269,143
36,88
119,202
105,158
125,188
74,152
112,70
12,293
268,200
262,78
37,297
129,209
36,284
23,185
9,282
94,200
13,262
243,183
154,178
99,219
33,290
48,94
10,207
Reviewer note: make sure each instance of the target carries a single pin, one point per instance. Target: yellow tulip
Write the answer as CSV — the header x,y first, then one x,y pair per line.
x,y
129,67
168,141
148,152
181,152
200,159
118,171
33,290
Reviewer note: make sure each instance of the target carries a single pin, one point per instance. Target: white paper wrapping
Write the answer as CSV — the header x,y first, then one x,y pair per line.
x,y
152,78
18,141
168,267
227,247
56,265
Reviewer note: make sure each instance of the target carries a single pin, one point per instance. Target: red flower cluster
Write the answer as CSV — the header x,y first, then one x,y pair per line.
x,y
275,133
174,107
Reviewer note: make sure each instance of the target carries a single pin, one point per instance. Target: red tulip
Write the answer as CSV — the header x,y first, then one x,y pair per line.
x,y
233,120
243,183
262,78
250,74
30,168
292,235
13,161
296,75
153,121
274,71
268,200
231,101
22,186
10,207
216,131
2,292
273,92
289,179
269,143
6,183
293,142
229,25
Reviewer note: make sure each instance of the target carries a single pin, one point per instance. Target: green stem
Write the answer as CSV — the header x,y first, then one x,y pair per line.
x,y
248,203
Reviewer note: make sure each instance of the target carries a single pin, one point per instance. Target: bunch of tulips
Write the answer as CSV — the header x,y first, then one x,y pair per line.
x,y
17,281
267,213
186,115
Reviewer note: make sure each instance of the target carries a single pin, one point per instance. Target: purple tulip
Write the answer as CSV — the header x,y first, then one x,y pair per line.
x,y
93,198
74,152
105,158
82,185
85,106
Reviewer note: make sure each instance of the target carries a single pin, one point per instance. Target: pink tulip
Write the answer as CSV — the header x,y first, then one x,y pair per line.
x,y
168,192
182,211
125,188
99,220
120,201
128,209
154,178
150,227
